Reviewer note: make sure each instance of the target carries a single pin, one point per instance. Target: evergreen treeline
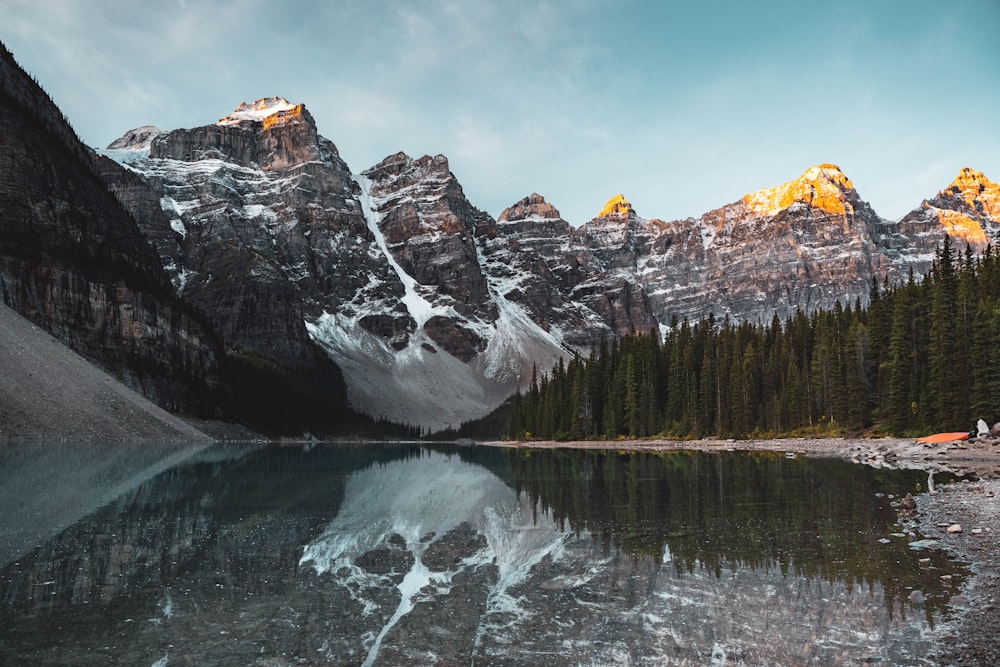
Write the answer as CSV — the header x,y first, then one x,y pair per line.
x,y
922,356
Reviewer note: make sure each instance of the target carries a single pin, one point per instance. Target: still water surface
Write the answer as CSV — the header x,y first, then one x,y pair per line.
x,y
416,554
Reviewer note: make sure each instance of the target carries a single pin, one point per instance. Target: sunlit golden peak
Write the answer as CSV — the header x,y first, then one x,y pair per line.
x,y
617,205
827,173
972,179
980,194
266,110
823,186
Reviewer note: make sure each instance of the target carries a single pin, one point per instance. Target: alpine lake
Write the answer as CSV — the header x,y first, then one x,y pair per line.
x,y
169,554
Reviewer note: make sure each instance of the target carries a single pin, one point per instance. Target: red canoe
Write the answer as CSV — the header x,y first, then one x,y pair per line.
x,y
944,437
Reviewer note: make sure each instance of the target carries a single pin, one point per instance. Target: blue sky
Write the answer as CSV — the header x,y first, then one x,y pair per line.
x,y
682,107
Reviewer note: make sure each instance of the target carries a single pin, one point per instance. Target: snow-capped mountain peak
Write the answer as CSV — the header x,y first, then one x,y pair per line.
x,y
822,186
138,139
970,176
533,207
263,111
435,311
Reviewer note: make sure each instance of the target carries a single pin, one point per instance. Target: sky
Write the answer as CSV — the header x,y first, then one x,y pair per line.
x,y
680,106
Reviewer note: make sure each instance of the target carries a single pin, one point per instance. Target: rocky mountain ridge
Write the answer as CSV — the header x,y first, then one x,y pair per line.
x,y
434,310
968,210
74,263
99,278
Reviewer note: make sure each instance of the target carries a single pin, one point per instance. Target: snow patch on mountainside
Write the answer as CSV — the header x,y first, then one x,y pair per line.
x,y
420,385
257,111
126,157
516,342
420,309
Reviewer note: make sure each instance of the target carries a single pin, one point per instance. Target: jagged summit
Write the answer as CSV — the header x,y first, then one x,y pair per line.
x,y
968,175
398,171
267,110
617,206
823,186
532,207
967,210
138,139
978,191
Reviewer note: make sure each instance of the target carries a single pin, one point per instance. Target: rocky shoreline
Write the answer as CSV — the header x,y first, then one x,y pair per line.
x,y
978,457
963,517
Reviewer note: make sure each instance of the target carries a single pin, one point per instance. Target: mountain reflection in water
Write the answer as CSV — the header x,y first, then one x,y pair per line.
x,y
435,554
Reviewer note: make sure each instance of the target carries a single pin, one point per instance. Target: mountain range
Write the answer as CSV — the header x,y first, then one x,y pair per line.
x,y
433,310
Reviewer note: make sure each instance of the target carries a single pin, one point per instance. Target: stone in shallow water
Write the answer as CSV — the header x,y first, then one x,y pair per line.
x,y
924,544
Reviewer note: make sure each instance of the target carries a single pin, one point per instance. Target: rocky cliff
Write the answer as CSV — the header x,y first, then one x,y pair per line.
x,y
73,261
568,276
804,244
968,211
260,223
434,310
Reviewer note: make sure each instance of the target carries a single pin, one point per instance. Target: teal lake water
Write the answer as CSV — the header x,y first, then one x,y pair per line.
x,y
166,555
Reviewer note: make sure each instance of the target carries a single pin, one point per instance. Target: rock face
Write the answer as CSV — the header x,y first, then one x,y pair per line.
x,y
968,210
429,229
804,244
257,225
434,310
73,261
262,225
257,221
557,275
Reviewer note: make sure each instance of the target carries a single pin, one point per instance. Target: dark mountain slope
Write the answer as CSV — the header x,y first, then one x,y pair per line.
x,y
73,261
51,392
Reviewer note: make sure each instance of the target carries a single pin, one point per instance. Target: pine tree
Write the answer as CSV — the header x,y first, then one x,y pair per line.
x,y
985,361
903,363
631,402
946,390
920,355
856,378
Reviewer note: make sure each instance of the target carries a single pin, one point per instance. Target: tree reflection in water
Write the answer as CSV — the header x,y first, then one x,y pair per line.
x,y
561,556
811,517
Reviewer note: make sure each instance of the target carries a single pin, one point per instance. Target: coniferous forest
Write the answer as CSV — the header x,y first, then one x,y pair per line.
x,y
921,356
